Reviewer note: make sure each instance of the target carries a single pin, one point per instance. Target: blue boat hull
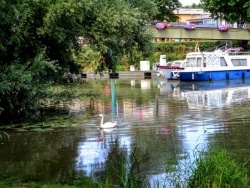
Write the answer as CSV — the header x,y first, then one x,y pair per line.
x,y
214,75
210,85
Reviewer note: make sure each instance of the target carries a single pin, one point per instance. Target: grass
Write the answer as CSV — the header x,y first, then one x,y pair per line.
x,y
126,172
8,181
215,168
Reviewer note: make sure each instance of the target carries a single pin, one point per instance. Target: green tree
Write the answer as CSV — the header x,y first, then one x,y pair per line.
x,y
39,41
115,29
24,87
231,10
22,38
25,68
193,6
166,10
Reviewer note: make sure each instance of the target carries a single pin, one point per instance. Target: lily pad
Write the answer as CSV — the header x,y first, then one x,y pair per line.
x,y
42,130
74,124
34,126
48,129
20,129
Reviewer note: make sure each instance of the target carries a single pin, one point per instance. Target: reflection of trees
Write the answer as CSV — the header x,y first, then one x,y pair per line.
x,y
234,131
40,155
155,147
155,150
51,155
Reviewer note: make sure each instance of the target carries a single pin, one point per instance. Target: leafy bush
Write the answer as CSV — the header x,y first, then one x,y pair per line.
x,y
23,87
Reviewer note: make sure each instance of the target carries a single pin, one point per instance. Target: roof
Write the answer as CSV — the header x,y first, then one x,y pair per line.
x,y
203,17
190,11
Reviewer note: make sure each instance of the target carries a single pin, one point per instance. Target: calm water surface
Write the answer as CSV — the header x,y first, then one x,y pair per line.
x,y
164,121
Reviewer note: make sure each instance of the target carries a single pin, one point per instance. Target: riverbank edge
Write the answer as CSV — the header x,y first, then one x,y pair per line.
x,y
149,74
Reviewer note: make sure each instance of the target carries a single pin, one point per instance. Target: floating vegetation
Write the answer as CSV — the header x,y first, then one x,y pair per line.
x,y
4,136
50,124
20,129
42,129
34,126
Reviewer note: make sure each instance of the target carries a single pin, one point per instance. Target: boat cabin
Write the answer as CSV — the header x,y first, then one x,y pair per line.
x,y
216,59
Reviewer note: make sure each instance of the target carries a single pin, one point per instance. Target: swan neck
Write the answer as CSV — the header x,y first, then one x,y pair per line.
x,y
101,122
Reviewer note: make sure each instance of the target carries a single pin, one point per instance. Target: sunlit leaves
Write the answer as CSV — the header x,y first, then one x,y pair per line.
x,y
165,10
113,27
88,58
232,11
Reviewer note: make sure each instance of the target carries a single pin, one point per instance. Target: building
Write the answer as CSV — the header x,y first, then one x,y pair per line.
x,y
198,17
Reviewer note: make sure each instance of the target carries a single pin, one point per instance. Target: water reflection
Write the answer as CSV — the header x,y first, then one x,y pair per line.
x,y
219,94
145,84
164,120
167,87
93,153
113,98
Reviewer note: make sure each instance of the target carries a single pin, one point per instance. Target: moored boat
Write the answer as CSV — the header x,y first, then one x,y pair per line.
x,y
168,71
217,65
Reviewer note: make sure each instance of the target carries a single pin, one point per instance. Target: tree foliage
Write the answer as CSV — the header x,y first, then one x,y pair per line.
x,y
231,10
166,10
117,28
25,70
39,42
193,6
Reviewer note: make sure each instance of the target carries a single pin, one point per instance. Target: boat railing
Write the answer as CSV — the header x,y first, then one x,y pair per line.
x,y
238,53
221,47
227,48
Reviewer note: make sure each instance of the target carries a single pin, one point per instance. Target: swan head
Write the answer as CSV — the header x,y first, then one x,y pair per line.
x,y
100,115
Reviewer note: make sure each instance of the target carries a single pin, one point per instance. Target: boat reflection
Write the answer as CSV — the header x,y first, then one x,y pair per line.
x,y
213,94
198,86
145,84
166,86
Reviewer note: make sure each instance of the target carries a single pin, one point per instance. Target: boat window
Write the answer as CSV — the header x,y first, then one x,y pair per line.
x,y
205,62
176,64
191,62
239,62
199,62
223,62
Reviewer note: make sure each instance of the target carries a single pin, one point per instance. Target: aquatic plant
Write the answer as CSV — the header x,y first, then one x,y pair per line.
x,y
217,168
7,180
4,136
125,172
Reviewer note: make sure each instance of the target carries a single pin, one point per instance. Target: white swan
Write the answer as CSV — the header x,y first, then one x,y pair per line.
x,y
106,125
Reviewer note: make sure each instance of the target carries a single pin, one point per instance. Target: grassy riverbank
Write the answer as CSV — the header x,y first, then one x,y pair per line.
x,y
214,168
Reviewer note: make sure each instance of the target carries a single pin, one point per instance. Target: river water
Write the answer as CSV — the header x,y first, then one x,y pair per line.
x,y
165,121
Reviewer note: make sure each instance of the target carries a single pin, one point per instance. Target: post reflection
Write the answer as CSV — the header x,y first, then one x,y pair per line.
x,y
113,99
